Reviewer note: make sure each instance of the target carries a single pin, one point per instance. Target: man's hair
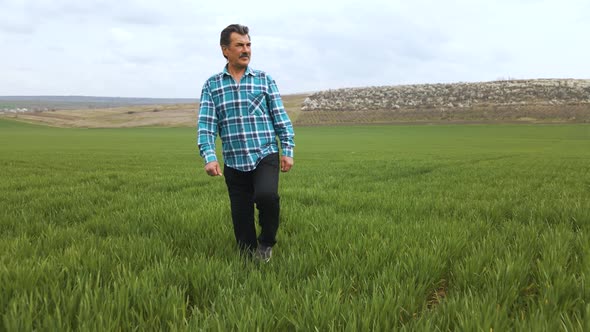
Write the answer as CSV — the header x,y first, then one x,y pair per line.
x,y
226,33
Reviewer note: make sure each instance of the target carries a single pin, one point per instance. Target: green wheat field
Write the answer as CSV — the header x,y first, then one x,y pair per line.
x,y
431,227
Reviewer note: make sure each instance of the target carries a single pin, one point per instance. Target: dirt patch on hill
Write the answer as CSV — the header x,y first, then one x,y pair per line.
x,y
567,113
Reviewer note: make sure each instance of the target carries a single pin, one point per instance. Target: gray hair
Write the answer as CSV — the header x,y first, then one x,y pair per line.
x,y
226,33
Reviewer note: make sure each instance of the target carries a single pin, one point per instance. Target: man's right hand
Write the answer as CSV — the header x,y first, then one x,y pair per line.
x,y
213,169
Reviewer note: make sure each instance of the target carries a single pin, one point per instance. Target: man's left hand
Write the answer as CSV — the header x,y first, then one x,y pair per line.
x,y
286,163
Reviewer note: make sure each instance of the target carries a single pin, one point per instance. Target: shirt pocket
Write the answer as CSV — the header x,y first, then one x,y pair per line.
x,y
257,103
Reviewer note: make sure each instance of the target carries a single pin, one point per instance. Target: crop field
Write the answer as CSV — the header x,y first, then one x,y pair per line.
x,y
425,227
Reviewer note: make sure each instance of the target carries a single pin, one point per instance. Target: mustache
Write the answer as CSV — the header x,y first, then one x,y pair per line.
x,y
244,55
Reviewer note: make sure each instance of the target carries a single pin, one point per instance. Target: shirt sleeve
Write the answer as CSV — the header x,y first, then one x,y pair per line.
x,y
281,122
207,126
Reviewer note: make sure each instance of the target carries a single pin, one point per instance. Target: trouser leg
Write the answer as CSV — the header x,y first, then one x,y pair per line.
x,y
266,197
241,195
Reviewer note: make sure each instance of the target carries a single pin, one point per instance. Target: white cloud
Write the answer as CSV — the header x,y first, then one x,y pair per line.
x,y
167,49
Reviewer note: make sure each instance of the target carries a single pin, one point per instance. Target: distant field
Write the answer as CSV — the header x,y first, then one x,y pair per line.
x,y
78,115
83,102
181,115
459,227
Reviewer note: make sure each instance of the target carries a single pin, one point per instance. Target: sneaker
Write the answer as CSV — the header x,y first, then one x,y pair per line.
x,y
263,253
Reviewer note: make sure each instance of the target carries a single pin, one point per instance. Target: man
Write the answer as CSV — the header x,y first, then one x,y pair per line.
x,y
244,106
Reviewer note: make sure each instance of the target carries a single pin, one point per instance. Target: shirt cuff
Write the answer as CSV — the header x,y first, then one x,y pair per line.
x,y
288,152
210,157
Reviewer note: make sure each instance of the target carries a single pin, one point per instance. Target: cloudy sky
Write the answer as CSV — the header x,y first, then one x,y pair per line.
x,y
148,48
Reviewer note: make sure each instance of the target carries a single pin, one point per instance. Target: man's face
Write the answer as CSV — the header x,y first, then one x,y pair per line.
x,y
238,52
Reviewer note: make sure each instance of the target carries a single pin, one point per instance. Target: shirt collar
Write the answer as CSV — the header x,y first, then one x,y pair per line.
x,y
249,71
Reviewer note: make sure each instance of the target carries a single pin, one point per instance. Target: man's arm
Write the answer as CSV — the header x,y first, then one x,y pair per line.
x,y
207,132
282,125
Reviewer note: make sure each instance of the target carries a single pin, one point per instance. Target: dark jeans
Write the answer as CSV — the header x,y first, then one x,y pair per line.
x,y
259,187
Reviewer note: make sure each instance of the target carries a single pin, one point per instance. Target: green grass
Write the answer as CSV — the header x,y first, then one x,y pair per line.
x,y
383,228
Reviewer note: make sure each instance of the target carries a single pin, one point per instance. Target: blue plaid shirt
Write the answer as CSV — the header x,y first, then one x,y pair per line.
x,y
248,116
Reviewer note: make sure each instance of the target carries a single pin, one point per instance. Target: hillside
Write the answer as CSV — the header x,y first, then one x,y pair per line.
x,y
531,101
543,100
